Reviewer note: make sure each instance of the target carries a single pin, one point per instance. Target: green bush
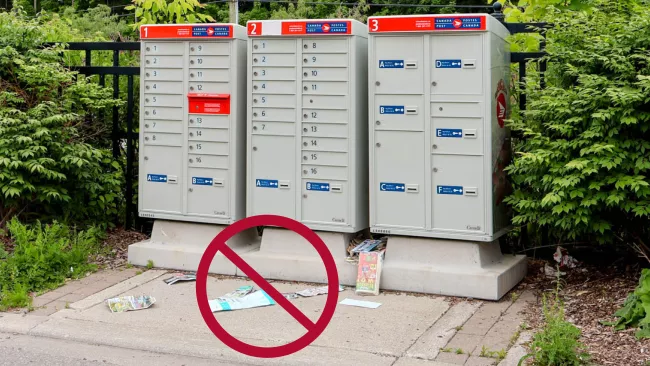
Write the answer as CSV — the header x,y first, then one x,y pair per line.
x,y
43,257
582,164
47,167
635,312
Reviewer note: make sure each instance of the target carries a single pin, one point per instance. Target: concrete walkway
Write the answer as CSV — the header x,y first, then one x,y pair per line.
x,y
405,330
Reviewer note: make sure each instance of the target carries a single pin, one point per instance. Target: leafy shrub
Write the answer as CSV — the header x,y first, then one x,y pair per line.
x,y
635,312
582,165
47,168
43,257
163,12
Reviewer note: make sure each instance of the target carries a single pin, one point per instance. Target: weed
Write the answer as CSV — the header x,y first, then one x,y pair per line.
x,y
558,342
67,305
459,328
448,350
129,265
484,352
515,336
150,264
459,351
514,296
500,354
138,273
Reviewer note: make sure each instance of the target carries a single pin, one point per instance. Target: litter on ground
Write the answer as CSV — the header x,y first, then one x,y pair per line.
x,y
129,303
361,303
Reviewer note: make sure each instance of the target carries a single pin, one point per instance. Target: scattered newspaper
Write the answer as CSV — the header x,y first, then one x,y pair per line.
x,y
129,303
176,277
251,300
315,291
238,293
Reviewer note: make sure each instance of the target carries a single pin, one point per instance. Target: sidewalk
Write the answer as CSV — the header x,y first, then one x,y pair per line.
x,y
405,330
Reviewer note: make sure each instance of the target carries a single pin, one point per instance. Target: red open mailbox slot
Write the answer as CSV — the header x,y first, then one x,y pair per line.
x,y
205,103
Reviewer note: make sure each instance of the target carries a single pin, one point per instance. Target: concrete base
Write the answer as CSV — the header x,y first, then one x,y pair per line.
x,y
180,245
285,255
450,267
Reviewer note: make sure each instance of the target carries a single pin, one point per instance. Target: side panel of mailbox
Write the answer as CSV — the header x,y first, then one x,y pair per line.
x,y
360,143
500,149
238,170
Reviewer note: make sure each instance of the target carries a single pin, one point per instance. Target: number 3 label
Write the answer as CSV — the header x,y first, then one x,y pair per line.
x,y
374,25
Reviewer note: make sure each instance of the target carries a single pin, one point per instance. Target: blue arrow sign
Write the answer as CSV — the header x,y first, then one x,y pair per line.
x,y
200,181
448,64
455,190
266,183
314,186
449,132
391,109
391,64
156,178
392,187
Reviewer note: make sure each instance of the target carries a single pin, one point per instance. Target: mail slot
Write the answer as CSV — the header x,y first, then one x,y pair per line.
x,y
203,103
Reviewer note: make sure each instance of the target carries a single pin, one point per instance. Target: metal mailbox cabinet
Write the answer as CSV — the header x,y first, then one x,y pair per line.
x,y
307,122
192,122
438,89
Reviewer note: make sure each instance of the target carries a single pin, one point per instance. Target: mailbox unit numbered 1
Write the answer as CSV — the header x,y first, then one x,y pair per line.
x,y
307,113
192,122
438,99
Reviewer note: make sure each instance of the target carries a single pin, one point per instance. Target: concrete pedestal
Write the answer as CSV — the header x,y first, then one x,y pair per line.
x,y
180,245
450,267
285,255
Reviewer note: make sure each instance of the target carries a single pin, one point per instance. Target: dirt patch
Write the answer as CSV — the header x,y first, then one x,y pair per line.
x,y
115,247
592,294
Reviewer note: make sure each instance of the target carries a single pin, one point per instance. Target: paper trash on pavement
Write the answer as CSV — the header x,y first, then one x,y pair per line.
x,y
315,291
251,300
238,293
361,303
129,303
180,277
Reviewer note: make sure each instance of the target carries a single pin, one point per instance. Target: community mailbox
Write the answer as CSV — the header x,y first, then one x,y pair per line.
x,y
307,122
438,89
192,122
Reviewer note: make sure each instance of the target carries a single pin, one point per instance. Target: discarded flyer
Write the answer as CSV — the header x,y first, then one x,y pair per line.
x,y
367,246
361,303
315,291
290,295
251,300
238,293
369,273
180,277
129,303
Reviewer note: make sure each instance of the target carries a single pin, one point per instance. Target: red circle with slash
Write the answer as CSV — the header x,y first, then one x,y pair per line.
x,y
314,330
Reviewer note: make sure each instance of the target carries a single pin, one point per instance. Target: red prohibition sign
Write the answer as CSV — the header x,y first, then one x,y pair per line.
x,y
313,329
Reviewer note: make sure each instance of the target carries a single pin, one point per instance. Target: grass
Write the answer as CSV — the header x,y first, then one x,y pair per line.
x,y
459,351
129,265
138,273
44,256
150,264
499,355
459,328
514,296
447,350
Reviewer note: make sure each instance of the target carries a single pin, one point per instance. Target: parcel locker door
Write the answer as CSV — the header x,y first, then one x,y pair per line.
x,y
457,64
398,179
208,193
274,170
161,168
458,198
399,65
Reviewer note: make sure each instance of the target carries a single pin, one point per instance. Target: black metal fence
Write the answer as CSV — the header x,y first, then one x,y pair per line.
x,y
120,134
127,134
